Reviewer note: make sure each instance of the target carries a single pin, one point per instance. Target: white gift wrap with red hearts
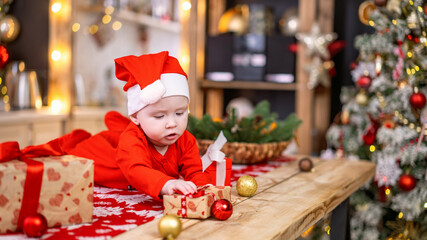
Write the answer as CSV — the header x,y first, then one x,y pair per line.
x,y
66,195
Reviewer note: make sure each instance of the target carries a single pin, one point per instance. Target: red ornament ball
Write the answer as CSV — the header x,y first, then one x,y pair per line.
x,y
364,82
222,209
4,56
369,136
34,225
417,100
407,182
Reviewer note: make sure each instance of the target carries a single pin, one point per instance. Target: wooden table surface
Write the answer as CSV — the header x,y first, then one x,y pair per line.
x,y
285,205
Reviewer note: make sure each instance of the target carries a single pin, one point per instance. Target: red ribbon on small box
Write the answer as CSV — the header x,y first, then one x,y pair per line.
x,y
30,201
200,193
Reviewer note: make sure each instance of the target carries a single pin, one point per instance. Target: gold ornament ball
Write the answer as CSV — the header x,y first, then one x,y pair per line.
x,y
9,28
246,186
362,99
365,10
170,226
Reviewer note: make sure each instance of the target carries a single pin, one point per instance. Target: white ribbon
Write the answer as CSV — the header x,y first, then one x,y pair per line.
x,y
214,154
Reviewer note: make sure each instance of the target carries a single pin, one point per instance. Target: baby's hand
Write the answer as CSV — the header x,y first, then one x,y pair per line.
x,y
185,187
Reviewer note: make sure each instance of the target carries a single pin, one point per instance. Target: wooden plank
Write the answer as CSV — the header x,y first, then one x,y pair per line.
x,y
290,207
215,102
216,9
60,71
296,200
193,38
214,97
322,96
304,96
200,54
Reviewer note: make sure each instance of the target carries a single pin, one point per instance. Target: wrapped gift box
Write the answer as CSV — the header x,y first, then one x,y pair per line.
x,y
188,207
220,192
197,205
66,194
213,169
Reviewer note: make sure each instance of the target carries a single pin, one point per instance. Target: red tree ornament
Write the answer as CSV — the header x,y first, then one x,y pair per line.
x,y
4,56
369,136
222,209
407,182
417,100
364,82
34,225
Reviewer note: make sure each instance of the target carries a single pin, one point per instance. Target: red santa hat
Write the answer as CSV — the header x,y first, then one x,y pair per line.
x,y
149,78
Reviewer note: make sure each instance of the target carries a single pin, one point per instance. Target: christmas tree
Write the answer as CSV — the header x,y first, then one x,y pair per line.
x,y
383,119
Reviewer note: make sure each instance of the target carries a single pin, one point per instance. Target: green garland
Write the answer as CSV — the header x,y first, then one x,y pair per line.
x,y
261,126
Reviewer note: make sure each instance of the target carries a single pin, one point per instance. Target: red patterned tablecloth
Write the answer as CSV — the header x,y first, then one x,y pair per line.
x,y
117,211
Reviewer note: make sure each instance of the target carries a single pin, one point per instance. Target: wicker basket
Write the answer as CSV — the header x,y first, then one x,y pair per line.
x,y
247,153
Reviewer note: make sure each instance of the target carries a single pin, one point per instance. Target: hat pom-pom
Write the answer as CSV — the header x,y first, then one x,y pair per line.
x,y
153,92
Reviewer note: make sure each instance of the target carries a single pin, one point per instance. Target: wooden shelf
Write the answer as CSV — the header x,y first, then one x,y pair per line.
x,y
255,85
31,126
312,106
138,18
30,116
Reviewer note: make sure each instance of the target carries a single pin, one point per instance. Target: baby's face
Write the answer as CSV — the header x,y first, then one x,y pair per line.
x,y
164,121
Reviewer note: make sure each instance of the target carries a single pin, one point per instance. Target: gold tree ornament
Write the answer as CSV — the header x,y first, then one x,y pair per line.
x,y
317,42
365,10
246,186
170,227
362,98
412,21
318,74
9,28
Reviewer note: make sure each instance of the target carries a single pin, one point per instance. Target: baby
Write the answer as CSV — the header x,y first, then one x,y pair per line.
x,y
155,153
152,151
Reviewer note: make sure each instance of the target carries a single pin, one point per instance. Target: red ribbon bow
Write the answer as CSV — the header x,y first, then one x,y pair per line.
x,y
30,201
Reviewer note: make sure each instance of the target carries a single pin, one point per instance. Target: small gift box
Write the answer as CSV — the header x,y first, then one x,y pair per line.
x,y
58,187
220,192
195,205
189,206
220,173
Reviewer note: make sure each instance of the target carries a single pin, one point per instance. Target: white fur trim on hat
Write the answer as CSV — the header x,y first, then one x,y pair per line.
x,y
169,84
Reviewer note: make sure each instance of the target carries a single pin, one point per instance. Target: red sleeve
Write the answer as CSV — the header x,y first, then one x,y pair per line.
x,y
190,163
134,159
